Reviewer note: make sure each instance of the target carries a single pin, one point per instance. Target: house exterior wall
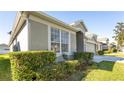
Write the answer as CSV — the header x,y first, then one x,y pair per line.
x,y
11,48
38,36
99,46
35,21
21,41
90,46
80,41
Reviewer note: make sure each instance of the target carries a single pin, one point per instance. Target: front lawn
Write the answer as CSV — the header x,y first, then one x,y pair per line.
x,y
119,54
5,71
105,71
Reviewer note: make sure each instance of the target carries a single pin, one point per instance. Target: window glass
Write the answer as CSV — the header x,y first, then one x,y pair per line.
x,y
64,41
55,39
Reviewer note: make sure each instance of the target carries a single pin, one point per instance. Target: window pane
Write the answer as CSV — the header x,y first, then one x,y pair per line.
x,y
64,41
64,47
55,47
55,39
55,35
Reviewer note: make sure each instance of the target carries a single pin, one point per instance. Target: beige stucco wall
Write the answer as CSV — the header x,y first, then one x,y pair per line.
x,y
22,38
38,36
72,43
21,41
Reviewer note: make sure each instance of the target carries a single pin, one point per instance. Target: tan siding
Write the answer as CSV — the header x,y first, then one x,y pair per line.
x,y
38,36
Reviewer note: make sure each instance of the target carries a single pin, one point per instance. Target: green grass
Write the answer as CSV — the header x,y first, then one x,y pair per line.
x,y
4,56
106,71
119,54
5,70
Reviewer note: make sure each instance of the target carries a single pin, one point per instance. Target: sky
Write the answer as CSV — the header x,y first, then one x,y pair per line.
x,y
100,23
6,23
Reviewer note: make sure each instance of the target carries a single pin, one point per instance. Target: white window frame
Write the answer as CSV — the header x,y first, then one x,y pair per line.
x,y
49,41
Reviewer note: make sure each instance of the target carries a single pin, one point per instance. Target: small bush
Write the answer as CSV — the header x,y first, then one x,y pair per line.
x,y
100,52
85,57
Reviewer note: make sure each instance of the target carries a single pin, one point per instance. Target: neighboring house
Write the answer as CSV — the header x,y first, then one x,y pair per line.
x,y
90,43
99,45
4,49
38,31
103,43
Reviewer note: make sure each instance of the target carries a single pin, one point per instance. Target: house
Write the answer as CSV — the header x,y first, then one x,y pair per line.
x,y
103,43
4,49
90,42
89,39
35,30
99,45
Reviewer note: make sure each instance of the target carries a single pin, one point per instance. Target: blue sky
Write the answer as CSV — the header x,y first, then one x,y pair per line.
x,y
6,22
100,23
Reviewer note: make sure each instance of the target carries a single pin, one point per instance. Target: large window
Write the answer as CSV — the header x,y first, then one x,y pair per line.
x,y
64,41
55,39
58,42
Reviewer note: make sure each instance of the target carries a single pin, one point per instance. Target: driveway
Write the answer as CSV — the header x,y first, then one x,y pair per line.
x,y
108,58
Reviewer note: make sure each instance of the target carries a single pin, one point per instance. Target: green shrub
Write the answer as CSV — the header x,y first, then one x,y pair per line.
x,y
100,52
40,65
63,70
107,52
114,50
25,65
85,57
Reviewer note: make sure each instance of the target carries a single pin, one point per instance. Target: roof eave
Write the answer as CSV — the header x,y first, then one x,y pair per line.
x,y
53,20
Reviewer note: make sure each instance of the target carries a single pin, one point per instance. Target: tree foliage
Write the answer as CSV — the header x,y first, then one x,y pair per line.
x,y
119,34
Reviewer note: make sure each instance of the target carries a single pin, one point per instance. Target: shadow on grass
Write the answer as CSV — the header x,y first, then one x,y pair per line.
x,y
5,69
106,65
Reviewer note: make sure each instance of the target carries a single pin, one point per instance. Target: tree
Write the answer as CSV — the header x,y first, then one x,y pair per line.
x,y
119,34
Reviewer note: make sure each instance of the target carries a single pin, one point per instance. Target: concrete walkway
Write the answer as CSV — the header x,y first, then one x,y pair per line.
x,y
108,58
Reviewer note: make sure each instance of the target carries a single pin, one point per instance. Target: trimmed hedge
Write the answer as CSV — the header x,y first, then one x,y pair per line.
x,y
40,65
85,57
25,65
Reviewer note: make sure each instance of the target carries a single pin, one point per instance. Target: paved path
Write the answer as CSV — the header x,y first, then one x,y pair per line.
x,y
108,58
